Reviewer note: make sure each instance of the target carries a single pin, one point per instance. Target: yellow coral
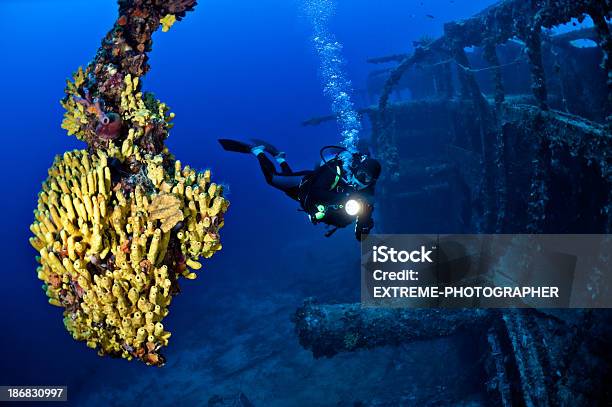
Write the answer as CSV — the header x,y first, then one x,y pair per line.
x,y
132,104
134,108
117,225
103,253
75,116
166,208
167,22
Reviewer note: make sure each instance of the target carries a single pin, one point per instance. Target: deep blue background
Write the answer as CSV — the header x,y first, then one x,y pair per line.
x,y
239,68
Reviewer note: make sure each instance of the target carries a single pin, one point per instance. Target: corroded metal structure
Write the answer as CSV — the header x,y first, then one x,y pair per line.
x,y
500,117
513,136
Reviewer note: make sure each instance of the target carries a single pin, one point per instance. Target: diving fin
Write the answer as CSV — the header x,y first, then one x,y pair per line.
x,y
235,146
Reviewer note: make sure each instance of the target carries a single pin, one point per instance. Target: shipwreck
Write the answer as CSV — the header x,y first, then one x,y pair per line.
x,y
507,130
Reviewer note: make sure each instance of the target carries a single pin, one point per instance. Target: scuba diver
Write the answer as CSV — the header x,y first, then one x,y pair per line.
x,y
337,192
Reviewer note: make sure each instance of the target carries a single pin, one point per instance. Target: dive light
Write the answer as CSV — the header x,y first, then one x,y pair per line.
x,y
352,207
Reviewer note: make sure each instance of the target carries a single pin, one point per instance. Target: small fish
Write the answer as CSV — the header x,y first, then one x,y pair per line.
x,y
429,16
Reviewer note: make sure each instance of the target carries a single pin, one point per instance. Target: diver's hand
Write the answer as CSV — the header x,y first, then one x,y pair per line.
x,y
363,228
365,223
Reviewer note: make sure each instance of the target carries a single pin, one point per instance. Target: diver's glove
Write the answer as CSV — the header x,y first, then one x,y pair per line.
x,y
363,228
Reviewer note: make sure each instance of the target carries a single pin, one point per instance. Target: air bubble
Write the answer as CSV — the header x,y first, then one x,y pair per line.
x,y
336,86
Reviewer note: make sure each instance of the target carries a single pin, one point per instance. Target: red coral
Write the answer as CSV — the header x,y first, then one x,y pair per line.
x,y
109,124
180,6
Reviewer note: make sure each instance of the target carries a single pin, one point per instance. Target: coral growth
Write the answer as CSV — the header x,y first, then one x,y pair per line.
x,y
113,259
167,22
94,102
118,224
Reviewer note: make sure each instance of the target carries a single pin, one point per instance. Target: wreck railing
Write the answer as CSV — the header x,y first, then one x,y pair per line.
x,y
488,29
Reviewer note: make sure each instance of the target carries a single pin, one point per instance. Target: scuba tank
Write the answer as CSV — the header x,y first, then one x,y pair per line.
x,y
337,191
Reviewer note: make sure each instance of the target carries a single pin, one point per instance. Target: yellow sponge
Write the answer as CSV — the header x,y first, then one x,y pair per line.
x,y
113,258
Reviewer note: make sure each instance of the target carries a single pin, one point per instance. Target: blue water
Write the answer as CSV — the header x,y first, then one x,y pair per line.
x,y
235,69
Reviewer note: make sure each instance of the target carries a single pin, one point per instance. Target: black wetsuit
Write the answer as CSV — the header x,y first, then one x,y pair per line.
x,y
322,193
287,180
